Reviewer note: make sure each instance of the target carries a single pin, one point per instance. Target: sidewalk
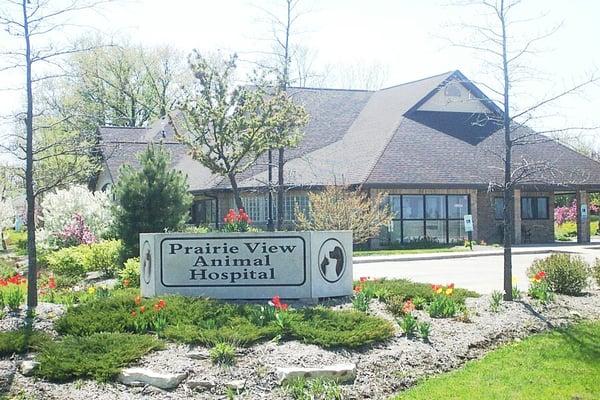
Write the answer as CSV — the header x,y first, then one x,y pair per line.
x,y
482,252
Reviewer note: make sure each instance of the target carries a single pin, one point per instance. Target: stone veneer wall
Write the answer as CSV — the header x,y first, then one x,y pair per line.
x,y
540,231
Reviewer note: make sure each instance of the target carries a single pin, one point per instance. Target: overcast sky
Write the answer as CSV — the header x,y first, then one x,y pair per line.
x,y
405,37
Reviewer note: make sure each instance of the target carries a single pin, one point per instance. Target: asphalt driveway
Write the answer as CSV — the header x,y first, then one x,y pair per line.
x,y
482,274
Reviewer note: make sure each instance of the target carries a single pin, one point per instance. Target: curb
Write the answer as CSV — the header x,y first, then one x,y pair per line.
x,y
366,260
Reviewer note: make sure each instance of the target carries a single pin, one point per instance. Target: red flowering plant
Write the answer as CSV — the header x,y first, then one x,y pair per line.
x,y
363,293
47,289
539,288
12,292
443,304
149,319
279,312
236,221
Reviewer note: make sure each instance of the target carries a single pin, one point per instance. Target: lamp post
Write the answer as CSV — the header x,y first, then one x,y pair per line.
x,y
270,225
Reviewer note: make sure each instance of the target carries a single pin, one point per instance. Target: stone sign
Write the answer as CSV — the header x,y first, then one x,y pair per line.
x,y
247,265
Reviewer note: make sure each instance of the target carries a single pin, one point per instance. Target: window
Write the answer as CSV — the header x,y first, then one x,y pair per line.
x,y
534,208
433,217
498,208
204,212
257,206
412,207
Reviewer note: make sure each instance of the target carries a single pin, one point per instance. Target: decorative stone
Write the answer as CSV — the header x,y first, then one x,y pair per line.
x,y
236,384
201,384
340,373
198,355
137,376
7,374
27,367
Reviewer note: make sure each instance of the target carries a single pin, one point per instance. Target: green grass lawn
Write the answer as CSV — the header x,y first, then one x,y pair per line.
x,y
389,252
562,364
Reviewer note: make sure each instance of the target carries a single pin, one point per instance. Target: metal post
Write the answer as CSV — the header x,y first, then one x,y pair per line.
x,y
270,225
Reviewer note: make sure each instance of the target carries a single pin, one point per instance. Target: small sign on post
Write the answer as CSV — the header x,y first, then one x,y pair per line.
x,y
584,212
469,228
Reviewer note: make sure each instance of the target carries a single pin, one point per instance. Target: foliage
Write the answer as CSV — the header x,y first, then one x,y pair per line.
x,y
539,288
252,119
349,329
7,214
361,299
408,324
59,209
69,262
424,329
100,356
7,269
129,276
75,233
12,292
443,304
21,341
208,322
119,85
222,354
496,301
341,208
564,214
419,302
150,199
104,256
596,271
515,371
17,240
565,273
395,292
313,389
236,221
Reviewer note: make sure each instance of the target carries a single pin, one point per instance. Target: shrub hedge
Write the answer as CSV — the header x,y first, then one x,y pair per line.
x,y
21,341
208,322
74,262
566,274
99,356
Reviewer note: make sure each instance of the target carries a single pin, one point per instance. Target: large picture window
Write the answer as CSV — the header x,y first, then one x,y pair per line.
x,y
428,217
534,208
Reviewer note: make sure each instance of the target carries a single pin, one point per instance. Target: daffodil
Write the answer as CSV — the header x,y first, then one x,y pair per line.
x,y
91,290
449,291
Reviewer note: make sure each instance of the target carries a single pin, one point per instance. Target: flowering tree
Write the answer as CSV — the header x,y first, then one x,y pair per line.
x,y
569,213
7,218
59,210
76,233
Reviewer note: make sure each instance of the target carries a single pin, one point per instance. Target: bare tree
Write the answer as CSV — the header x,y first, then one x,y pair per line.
x,y
283,23
31,24
506,52
359,75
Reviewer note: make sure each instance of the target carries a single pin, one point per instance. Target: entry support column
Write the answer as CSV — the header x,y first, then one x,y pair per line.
x,y
583,218
517,217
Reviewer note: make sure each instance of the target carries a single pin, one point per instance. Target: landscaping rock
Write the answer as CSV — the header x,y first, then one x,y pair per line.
x,y
28,367
7,374
198,355
340,373
136,376
236,384
201,384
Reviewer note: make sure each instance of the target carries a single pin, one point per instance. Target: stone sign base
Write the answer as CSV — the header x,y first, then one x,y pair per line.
x,y
292,265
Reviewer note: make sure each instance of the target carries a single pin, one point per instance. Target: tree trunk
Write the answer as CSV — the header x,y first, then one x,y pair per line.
x,y
236,192
509,202
280,190
31,249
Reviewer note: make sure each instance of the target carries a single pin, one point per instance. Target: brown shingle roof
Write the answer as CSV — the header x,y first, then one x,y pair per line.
x,y
376,138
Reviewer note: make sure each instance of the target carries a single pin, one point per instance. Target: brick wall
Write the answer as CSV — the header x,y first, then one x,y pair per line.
x,y
532,231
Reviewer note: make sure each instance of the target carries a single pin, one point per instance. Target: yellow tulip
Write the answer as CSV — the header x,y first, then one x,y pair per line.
x,y
91,290
449,291
439,290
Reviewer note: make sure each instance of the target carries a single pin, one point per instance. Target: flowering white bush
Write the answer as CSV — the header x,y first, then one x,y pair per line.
x,y
7,214
59,208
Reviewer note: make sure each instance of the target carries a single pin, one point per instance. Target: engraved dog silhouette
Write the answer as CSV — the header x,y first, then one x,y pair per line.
x,y
338,255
